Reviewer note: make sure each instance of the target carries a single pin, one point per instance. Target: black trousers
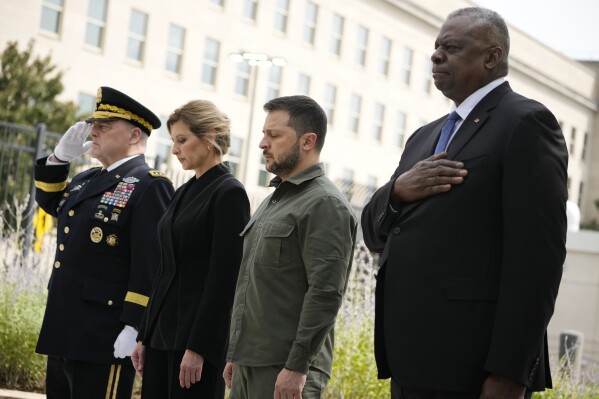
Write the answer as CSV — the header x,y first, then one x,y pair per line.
x,y
71,379
402,392
161,378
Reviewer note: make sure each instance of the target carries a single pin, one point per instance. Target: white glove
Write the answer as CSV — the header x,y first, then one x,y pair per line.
x,y
72,144
125,342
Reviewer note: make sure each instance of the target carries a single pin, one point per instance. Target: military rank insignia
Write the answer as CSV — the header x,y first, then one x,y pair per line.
x,y
121,193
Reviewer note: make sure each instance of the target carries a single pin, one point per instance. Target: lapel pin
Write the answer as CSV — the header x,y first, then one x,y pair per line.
x,y
476,120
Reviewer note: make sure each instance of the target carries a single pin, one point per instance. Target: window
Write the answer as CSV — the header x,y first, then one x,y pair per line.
x,y
361,45
406,65
138,25
585,144
330,96
580,194
371,184
379,116
337,34
174,52
86,104
263,175
281,15
220,3
572,141
385,56
310,22
427,75
347,183
209,68
163,144
96,22
274,82
242,80
354,113
400,129
234,159
51,15
250,9
303,84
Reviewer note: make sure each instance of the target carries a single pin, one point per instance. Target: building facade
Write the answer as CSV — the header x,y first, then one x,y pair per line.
x,y
367,62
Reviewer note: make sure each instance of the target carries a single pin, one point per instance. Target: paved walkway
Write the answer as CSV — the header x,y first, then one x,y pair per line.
x,y
6,394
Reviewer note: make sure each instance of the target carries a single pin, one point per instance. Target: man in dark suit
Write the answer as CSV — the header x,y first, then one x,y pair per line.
x,y
107,249
471,229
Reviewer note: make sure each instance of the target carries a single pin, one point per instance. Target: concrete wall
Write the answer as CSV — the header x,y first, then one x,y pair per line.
x,y
577,306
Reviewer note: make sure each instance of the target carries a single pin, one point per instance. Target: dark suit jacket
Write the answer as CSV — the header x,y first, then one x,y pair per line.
x,y
190,305
469,278
106,255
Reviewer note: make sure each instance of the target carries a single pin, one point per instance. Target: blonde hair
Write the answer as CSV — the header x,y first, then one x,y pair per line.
x,y
205,121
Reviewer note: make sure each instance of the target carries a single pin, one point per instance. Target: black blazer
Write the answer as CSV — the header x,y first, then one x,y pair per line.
x,y
106,255
201,251
469,278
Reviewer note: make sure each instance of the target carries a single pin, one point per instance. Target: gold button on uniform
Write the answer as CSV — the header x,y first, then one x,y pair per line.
x,y
109,303
57,264
61,247
71,212
66,229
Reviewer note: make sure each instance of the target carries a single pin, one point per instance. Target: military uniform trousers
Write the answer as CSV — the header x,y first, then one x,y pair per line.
x,y
72,379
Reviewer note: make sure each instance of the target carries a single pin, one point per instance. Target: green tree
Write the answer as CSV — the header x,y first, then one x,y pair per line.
x,y
29,86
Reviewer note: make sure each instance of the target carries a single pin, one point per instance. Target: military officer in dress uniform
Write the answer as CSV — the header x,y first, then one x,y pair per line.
x,y
107,249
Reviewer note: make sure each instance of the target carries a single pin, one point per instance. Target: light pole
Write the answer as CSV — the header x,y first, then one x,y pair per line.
x,y
254,60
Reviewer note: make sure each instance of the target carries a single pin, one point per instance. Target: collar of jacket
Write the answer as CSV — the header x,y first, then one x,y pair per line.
x,y
311,172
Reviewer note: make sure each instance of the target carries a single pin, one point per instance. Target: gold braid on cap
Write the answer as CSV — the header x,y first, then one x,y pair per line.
x,y
111,111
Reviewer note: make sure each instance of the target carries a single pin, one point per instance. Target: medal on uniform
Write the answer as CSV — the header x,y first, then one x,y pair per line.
x,y
115,215
96,235
120,195
112,240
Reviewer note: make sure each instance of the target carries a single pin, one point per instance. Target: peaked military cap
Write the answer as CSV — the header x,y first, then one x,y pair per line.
x,y
111,104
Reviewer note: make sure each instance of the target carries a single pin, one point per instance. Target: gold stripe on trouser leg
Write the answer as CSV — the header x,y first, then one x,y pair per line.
x,y
116,381
110,377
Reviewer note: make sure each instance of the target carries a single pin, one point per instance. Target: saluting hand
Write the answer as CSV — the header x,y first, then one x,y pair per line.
x,y
73,143
431,176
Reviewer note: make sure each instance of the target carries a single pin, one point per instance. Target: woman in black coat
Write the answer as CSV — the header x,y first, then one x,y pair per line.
x,y
183,335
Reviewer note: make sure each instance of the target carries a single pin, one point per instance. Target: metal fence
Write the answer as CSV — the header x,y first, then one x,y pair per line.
x,y
21,145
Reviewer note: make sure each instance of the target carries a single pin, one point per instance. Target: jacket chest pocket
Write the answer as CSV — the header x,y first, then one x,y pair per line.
x,y
276,246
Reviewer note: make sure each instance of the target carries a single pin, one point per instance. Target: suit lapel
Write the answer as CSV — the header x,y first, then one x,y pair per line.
x,y
476,119
471,125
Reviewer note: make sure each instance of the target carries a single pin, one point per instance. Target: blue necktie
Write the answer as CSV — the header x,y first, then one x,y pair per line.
x,y
446,132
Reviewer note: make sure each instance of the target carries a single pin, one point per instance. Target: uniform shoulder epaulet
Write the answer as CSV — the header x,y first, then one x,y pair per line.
x,y
157,173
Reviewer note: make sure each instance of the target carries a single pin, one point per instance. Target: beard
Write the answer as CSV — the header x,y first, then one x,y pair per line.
x,y
287,163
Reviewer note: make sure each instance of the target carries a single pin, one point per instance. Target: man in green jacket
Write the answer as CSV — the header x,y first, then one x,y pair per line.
x,y
297,256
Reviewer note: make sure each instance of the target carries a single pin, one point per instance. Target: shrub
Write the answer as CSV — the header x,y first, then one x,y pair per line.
x,y
22,301
354,368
